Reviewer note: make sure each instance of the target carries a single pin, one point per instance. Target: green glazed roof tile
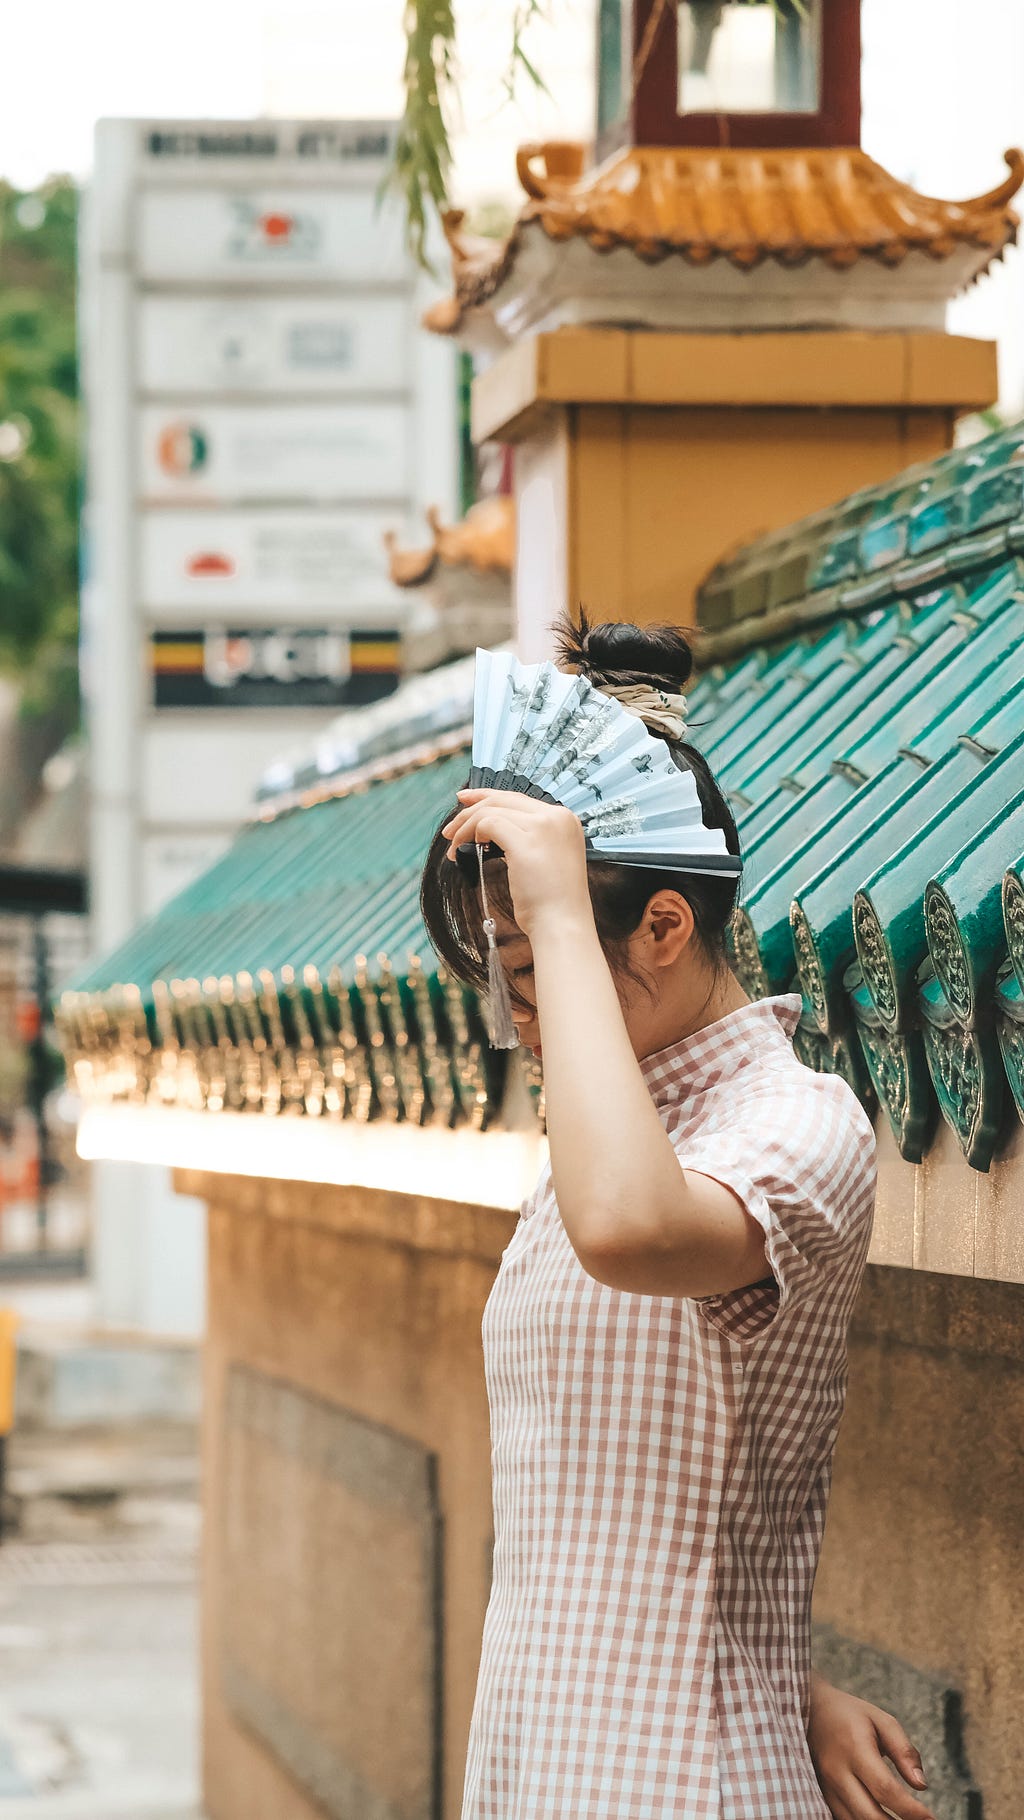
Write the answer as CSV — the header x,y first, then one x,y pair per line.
x,y
966,1073
939,670
1010,1032
874,758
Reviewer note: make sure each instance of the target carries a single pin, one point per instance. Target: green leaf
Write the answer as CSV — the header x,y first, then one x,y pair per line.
x,y
421,166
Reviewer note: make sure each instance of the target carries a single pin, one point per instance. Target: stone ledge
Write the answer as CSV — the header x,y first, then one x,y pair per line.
x,y
415,1221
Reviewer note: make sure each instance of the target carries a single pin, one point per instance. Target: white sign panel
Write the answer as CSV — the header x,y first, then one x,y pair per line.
x,y
289,564
271,236
301,345
235,453
216,765
261,404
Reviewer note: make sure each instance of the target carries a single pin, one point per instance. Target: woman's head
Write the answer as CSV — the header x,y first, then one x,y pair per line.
x,y
648,921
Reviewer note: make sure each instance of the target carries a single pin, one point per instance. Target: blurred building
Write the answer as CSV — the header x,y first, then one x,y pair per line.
x,y
261,410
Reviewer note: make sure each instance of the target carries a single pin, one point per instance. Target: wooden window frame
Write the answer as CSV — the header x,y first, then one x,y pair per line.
x,y
654,119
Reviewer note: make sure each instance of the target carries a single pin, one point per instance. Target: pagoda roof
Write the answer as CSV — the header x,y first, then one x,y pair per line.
x,y
747,209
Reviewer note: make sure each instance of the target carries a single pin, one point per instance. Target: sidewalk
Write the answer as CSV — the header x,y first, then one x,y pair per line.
x,y
99,1706
98,1698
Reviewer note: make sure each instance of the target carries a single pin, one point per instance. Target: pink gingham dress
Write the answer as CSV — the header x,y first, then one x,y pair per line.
x,y
661,1469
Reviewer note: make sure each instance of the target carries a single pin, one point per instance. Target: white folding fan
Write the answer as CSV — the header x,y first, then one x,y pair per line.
x,y
553,735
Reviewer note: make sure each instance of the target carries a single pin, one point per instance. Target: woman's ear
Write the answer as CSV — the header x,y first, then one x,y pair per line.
x,y
668,921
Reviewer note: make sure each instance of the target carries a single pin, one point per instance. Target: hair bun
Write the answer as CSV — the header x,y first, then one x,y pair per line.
x,y
622,652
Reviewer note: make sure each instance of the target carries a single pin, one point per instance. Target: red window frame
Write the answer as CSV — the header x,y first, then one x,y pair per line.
x,y
654,118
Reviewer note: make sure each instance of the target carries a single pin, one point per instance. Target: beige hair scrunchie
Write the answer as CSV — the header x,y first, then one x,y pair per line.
x,y
661,712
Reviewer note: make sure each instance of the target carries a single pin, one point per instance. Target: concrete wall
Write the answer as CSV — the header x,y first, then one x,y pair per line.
x,y
924,1551
347,1498
348,1518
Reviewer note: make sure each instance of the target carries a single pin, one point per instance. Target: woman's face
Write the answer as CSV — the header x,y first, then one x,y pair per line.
x,y
517,964
678,985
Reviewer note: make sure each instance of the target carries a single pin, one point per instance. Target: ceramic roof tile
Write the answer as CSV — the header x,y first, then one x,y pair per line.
x,y
874,764
297,968
746,207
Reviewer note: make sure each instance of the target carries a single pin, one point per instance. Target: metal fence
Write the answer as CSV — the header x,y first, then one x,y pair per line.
x,y
43,1197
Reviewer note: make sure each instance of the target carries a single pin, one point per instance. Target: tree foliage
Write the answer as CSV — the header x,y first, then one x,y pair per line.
x,y
39,443
423,153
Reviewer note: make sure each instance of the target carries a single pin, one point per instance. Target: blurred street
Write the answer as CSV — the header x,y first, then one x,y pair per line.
x,y
98,1619
98,1701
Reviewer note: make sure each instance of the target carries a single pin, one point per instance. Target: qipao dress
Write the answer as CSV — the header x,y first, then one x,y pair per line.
x,y
661,1468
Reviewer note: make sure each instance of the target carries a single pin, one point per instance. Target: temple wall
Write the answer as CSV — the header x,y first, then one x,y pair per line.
x,y
922,1573
348,1520
347,1498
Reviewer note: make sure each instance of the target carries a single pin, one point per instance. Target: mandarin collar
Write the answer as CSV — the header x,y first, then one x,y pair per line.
x,y
719,1049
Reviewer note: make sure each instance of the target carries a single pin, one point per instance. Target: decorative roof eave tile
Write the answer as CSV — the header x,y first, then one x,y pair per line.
x,y
296,976
746,208
484,542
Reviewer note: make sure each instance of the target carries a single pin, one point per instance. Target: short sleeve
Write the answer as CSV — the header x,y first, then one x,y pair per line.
x,y
802,1164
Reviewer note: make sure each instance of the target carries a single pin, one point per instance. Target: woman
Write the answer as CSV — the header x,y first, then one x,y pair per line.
x,y
665,1341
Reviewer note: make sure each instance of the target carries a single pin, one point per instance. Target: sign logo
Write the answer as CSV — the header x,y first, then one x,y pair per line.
x,y
182,450
207,563
271,234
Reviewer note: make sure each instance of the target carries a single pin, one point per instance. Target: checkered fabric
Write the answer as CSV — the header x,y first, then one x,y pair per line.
x,y
661,1469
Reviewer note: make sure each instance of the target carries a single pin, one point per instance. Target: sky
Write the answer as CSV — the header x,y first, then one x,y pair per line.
x,y
943,94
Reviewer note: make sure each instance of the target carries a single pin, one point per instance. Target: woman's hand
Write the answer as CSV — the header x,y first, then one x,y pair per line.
x,y
849,1742
544,847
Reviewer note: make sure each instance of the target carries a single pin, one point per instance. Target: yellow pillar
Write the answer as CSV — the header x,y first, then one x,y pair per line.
x,y
643,457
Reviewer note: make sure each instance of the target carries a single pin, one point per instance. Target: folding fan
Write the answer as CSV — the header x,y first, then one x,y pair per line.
x,y
553,735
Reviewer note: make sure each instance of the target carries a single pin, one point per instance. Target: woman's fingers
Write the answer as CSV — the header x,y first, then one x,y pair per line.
x,y
856,1778
884,1790
837,1806
870,1792
481,824
895,1743
849,1799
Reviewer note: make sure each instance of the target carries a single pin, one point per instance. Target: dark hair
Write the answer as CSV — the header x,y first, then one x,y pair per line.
x,y
618,652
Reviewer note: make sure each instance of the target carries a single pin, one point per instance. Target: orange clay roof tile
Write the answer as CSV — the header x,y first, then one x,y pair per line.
x,y
833,203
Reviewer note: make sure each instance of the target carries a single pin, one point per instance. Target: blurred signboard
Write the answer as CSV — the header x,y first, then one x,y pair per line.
x,y
262,406
267,667
285,562
228,453
318,346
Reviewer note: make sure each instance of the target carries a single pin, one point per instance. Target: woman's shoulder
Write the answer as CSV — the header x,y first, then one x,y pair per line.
x,y
796,1125
776,1072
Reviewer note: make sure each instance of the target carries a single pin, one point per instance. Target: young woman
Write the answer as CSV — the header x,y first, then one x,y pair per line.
x,y
665,1341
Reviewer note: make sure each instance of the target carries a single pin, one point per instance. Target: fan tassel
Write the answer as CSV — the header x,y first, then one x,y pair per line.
x,y
503,1033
